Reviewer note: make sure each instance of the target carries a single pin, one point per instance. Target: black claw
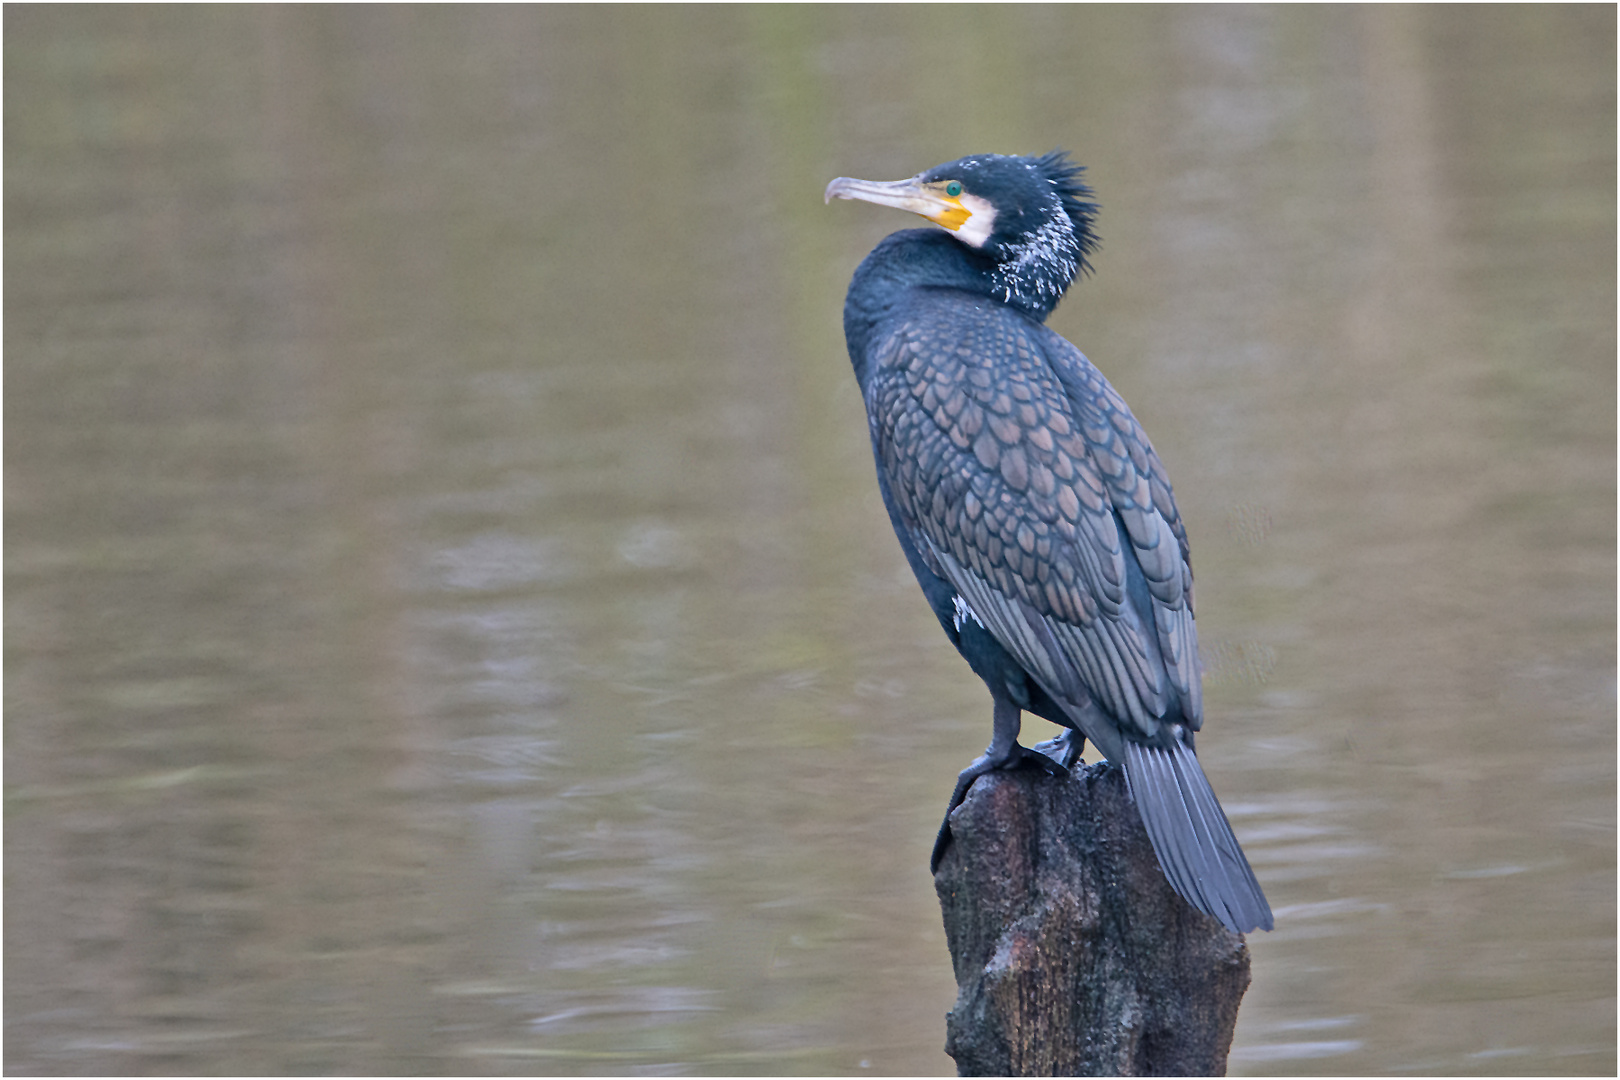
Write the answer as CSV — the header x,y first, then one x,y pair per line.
x,y
940,843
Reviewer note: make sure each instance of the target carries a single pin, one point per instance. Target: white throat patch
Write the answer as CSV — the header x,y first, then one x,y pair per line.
x,y
980,224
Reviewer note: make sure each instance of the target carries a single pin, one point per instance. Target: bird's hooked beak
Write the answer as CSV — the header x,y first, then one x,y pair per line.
x,y
928,200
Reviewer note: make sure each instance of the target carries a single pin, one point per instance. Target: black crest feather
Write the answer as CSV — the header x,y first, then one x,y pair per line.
x,y
1076,196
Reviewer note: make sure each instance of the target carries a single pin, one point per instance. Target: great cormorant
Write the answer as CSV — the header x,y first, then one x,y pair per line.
x,y
1030,504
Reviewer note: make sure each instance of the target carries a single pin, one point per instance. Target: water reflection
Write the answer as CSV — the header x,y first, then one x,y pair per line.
x,y
451,626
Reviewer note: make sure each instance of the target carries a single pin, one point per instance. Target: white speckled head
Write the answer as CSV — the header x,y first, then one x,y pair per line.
x,y
1030,215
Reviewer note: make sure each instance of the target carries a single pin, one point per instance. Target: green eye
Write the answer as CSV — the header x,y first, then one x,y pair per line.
x,y
953,189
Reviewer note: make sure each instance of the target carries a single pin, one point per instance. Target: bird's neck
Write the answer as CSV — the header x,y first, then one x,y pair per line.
x,y
1034,273
931,259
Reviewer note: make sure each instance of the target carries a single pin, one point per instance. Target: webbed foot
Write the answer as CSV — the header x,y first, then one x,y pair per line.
x,y
1019,757
1064,748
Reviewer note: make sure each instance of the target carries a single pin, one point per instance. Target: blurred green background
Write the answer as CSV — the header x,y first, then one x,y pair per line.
x,y
450,624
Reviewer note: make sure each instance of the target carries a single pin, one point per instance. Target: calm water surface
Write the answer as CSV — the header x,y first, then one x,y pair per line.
x,y
450,626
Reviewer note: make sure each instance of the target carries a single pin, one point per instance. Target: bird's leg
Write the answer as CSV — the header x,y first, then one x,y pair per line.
x,y
1002,753
1064,748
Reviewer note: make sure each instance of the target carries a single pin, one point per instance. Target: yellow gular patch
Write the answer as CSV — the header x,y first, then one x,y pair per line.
x,y
954,216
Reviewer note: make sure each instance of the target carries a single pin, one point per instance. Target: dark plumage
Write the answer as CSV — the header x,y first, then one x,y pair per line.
x,y
1030,504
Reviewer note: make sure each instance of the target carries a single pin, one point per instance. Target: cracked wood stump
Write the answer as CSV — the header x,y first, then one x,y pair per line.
x,y
1073,955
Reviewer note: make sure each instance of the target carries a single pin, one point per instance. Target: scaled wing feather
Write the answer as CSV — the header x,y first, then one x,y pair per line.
x,y
1018,490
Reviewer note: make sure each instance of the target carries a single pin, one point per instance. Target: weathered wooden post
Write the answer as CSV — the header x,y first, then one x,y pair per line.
x,y
1073,955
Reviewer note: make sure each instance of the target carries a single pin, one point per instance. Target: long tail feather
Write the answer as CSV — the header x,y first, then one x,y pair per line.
x,y
1191,836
